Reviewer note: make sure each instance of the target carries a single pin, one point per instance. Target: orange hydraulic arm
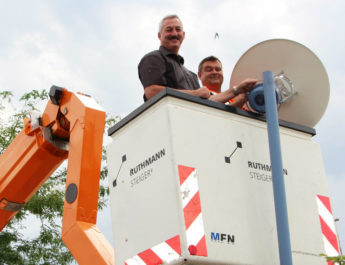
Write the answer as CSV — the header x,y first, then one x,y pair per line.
x,y
26,164
71,127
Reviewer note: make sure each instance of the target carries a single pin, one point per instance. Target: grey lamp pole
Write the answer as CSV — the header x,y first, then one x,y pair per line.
x,y
285,254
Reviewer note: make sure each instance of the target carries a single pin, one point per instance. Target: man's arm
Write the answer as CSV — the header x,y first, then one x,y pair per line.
x,y
244,87
223,97
152,90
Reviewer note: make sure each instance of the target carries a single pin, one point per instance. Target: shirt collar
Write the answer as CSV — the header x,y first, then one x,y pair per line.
x,y
174,56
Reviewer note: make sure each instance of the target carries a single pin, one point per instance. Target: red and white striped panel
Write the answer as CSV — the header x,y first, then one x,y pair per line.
x,y
194,224
164,252
328,229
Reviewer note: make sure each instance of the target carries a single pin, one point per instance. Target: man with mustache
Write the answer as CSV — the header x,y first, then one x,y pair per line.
x,y
164,67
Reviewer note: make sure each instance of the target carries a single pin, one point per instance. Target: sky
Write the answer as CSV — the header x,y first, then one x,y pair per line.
x,y
95,47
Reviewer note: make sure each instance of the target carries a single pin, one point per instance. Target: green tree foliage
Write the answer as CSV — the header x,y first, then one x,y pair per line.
x,y
46,205
339,260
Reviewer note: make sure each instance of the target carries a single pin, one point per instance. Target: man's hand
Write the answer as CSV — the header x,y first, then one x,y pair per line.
x,y
246,85
202,92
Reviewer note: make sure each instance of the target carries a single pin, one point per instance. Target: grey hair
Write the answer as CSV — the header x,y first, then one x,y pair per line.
x,y
165,18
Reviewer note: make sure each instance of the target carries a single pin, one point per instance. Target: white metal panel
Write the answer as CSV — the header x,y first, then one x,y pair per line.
x,y
236,198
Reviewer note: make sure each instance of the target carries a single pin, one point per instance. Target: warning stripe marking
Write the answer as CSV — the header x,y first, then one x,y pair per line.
x,y
135,261
164,252
164,248
201,247
184,173
175,244
194,225
328,233
327,226
196,231
192,210
326,213
330,250
326,202
150,257
189,187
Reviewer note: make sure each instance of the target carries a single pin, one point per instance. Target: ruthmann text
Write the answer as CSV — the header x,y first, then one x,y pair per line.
x,y
147,162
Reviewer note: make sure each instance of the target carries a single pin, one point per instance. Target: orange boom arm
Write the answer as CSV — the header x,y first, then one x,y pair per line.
x,y
71,127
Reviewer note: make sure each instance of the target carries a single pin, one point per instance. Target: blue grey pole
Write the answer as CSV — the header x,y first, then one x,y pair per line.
x,y
277,170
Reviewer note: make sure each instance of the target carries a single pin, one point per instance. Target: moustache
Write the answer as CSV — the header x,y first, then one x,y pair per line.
x,y
174,37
